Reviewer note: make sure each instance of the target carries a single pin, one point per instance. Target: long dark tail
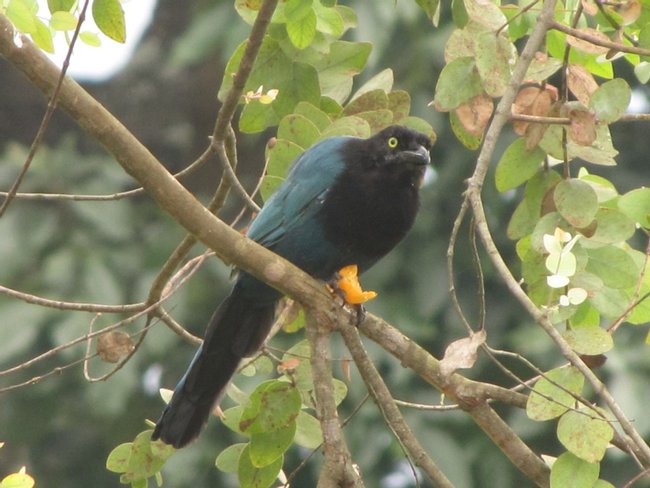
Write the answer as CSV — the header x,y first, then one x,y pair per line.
x,y
236,330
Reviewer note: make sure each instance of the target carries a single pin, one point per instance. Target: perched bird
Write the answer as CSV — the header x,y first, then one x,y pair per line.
x,y
345,201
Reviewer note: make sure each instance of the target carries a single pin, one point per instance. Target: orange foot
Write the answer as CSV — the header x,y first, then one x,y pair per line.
x,y
347,281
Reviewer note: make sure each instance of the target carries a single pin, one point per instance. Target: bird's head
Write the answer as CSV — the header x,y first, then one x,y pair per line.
x,y
396,151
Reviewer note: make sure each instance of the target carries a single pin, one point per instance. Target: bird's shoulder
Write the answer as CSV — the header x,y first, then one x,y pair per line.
x,y
312,174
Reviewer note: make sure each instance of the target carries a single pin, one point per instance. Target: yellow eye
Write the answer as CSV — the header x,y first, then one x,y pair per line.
x,y
392,142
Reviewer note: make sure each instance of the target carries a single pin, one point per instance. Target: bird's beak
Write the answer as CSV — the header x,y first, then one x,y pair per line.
x,y
419,156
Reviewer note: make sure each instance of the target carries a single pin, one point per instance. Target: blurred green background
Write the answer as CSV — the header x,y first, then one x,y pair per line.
x,y
63,427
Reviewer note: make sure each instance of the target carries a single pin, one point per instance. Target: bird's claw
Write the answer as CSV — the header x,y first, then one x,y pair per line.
x,y
345,285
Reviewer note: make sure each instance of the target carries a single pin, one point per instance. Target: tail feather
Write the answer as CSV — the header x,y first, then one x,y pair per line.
x,y
237,329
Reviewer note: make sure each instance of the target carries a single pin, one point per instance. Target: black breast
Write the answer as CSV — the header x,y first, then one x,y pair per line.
x,y
368,211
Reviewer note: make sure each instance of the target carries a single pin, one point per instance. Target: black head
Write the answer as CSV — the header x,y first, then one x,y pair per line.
x,y
396,149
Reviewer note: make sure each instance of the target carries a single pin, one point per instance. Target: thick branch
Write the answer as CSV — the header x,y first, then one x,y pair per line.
x,y
338,469
389,409
472,396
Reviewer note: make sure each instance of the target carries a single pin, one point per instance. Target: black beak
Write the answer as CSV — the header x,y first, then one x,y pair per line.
x,y
419,156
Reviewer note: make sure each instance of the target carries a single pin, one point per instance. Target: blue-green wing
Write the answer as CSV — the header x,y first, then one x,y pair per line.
x,y
290,212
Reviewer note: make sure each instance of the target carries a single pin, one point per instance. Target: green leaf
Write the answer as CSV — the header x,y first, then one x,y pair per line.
x,y
228,459
610,100
570,470
370,100
267,447
521,224
636,205
17,480
297,9
43,37
21,16
143,463
348,126
252,477
600,152
330,20
420,125
495,56
272,406
60,5
118,459
377,119
63,21
610,302
301,32
302,374
614,266
458,82
299,130
487,14
315,115
576,201
589,340
381,81
642,72
517,164
231,418
586,315
470,141
308,431
459,13
462,42
109,17
336,70
431,8
90,39
603,484
256,117
399,102
283,153
543,68
548,401
612,227
585,434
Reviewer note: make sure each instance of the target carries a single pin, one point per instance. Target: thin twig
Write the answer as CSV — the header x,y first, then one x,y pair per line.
x,y
597,41
72,306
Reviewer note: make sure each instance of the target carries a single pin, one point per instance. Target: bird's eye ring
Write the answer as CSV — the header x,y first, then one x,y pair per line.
x,y
392,142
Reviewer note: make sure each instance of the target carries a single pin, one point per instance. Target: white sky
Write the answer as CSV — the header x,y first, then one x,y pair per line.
x,y
99,63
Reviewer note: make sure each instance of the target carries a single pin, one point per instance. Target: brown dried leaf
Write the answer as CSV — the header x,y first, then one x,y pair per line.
x,y
462,353
582,130
113,345
629,10
534,134
548,202
581,83
587,46
533,100
288,365
475,114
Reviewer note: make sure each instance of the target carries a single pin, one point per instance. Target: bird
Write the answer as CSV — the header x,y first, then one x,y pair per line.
x,y
345,201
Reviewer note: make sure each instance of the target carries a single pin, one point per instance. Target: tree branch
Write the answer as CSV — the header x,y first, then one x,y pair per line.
x,y
472,396
338,469
388,407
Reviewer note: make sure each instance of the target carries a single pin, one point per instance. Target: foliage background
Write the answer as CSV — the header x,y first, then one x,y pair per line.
x,y
62,428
